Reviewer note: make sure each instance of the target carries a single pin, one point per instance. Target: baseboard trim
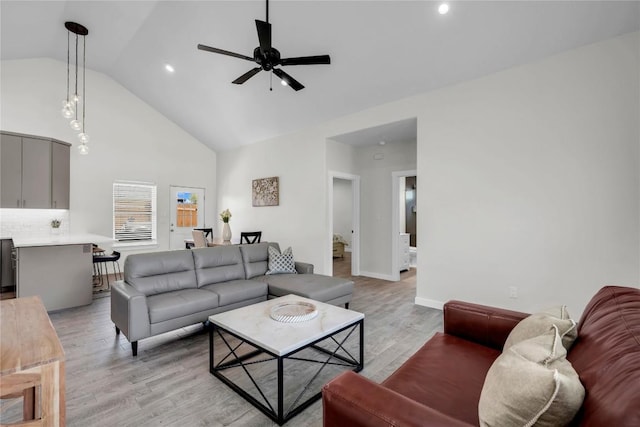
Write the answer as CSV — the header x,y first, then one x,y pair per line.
x,y
377,276
431,303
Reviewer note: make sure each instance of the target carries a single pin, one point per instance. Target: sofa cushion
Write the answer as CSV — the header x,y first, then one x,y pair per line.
x,y
606,355
158,272
218,264
238,291
445,374
171,305
255,258
531,383
314,286
540,323
280,263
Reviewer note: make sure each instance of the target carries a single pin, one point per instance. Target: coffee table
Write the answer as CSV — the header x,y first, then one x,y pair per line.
x,y
246,339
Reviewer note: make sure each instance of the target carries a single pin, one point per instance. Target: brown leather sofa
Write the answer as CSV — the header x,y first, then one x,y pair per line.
x,y
440,385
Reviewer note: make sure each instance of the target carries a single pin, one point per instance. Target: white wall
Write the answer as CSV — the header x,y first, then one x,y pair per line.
x,y
530,177
531,180
298,220
129,141
377,203
343,209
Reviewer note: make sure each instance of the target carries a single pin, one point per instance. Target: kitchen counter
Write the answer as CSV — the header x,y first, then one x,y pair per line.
x,y
57,268
22,241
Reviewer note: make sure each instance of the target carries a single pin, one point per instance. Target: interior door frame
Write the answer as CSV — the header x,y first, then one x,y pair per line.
x,y
355,221
395,219
204,196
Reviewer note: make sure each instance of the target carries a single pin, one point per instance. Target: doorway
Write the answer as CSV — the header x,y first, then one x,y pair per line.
x,y
187,213
344,223
403,221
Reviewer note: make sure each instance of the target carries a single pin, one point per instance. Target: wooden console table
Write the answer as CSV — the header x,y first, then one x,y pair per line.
x,y
32,361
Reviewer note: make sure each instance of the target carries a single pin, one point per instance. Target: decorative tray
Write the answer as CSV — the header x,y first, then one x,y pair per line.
x,y
293,312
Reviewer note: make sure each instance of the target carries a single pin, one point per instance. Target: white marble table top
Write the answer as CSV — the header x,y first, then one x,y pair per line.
x,y
253,323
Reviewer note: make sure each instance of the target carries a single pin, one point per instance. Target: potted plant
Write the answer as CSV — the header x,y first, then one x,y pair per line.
x,y
55,226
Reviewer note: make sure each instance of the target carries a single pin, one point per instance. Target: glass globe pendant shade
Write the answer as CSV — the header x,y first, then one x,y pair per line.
x,y
67,111
75,98
75,124
83,137
83,149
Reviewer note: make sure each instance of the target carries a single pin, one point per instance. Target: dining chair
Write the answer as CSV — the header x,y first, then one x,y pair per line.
x,y
208,232
199,239
250,237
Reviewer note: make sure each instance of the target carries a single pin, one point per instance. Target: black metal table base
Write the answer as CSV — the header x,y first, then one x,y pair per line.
x,y
233,360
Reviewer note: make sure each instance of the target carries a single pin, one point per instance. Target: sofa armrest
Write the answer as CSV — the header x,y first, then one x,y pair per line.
x,y
355,401
489,326
129,311
304,268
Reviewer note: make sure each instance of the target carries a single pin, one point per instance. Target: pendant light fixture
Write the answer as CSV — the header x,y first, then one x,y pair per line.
x,y
75,101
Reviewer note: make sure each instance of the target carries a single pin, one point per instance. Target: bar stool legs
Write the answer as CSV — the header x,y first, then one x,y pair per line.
x,y
99,260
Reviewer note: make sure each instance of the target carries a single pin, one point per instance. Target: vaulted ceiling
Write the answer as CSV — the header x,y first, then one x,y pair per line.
x,y
381,51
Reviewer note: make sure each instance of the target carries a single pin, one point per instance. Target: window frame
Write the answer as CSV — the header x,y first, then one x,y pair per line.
x,y
118,191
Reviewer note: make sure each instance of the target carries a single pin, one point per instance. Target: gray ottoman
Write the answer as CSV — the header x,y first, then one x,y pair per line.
x,y
332,290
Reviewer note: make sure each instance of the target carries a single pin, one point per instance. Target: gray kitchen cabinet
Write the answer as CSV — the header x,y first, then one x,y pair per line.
x,y
11,171
60,181
34,172
7,277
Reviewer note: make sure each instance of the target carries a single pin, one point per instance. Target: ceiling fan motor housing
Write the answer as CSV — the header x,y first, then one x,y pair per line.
x,y
267,60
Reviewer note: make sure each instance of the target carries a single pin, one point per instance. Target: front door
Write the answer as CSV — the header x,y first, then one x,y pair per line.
x,y
187,213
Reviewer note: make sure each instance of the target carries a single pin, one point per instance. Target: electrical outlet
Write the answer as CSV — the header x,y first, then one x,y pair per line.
x,y
513,292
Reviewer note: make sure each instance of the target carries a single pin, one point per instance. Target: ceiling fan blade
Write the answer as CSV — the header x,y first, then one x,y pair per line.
x,y
224,52
264,35
246,76
306,60
290,81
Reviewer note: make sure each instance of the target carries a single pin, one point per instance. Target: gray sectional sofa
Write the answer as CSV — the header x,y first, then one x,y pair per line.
x,y
163,291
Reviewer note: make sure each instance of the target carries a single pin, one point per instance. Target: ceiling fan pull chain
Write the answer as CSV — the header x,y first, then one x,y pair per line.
x,y
271,80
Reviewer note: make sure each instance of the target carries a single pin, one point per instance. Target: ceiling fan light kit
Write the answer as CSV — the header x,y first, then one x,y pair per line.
x,y
267,57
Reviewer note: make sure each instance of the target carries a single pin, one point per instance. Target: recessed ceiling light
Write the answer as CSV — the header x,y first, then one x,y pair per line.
x,y
382,142
169,68
443,8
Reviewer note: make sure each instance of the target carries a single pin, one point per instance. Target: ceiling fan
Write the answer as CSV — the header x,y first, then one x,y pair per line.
x,y
268,57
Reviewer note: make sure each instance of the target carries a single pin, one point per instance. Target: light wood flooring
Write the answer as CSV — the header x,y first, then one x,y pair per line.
x,y
169,384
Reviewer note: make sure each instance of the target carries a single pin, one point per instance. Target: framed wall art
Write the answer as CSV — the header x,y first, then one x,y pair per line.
x,y
265,192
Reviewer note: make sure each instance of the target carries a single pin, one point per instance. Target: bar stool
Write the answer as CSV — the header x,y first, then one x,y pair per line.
x,y
99,260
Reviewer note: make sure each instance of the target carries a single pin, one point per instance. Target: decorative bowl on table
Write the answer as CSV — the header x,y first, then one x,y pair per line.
x,y
293,312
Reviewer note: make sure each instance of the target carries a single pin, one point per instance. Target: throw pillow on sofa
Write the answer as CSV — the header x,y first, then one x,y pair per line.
x,y
531,383
280,263
539,323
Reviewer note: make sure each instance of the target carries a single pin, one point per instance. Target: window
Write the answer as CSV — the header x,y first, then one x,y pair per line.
x,y
134,213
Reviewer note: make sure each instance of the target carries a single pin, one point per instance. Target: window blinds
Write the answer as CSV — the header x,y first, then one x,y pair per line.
x,y
134,212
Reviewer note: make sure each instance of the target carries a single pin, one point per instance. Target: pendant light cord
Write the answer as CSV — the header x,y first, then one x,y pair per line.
x,y
68,44
84,92
76,65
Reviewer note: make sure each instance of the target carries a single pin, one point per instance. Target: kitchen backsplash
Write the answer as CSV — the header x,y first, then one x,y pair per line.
x,y
32,222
